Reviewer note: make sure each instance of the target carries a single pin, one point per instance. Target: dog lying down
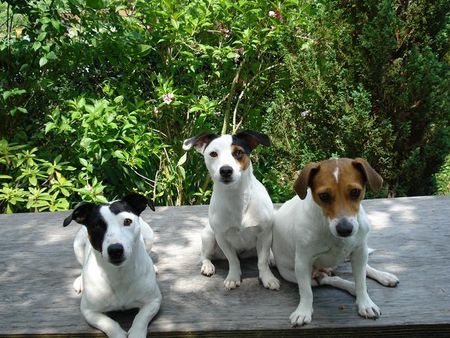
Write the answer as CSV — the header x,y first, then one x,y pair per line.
x,y
117,271
322,226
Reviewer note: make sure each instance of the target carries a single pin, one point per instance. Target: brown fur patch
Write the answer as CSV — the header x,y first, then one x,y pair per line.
x,y
240,156
341,202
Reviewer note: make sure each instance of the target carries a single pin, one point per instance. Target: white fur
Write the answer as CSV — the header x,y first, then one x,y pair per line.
x,y
106,287
304,240
240,217
336,174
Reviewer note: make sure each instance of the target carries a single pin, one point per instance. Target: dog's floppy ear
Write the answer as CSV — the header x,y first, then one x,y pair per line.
x,y
305,178
80,213
199,142
252,139
138,202
374,179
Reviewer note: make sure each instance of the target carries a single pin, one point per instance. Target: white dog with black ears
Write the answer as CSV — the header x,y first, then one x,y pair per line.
x,y
118,274
241,211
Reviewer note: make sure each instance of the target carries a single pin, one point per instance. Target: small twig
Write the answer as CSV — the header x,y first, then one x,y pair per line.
x,y
230,97
241,95
144,177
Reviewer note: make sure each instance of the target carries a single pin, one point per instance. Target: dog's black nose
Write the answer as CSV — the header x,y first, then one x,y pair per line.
x,y
226,171
115,252
344,228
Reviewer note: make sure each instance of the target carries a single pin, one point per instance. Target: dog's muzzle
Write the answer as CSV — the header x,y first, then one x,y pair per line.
x,y
116,254
344,228
226,173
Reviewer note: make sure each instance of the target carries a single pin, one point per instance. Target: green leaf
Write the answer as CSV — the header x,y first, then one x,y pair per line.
x,y
144,49
96,4
33,180
43,61
42,36
182,160
83,162
51,56
37,45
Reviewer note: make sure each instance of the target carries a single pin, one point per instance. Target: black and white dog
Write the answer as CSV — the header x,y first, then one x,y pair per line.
x,y
241,212
113,248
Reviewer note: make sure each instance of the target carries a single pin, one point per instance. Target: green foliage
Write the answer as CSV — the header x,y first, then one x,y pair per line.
x,y
443,178
97,96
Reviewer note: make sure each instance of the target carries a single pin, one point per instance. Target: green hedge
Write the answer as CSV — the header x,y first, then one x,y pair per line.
x,y
96,96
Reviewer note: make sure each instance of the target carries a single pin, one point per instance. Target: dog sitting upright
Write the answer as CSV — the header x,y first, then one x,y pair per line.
x,y
240,211
117,272
321,227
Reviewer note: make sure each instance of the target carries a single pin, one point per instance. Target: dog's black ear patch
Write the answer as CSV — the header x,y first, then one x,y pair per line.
x,y
249,140
80,214
151,204
200,142
137,203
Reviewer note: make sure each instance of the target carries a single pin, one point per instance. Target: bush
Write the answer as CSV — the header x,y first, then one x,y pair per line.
x,y
106,91
443,178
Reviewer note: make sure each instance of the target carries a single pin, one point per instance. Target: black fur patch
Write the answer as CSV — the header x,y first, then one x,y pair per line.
x,y
120,206
96,227
249,140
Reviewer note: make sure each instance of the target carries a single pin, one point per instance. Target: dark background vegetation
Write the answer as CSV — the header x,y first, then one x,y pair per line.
x,y
96,96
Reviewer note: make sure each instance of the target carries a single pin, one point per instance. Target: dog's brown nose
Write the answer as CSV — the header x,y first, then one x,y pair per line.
x,y
344,228
226,171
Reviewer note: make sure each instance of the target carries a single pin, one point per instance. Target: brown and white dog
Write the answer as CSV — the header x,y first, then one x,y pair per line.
x,y
322,226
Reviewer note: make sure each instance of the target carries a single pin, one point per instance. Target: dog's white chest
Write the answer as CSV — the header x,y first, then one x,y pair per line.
x,y
334,256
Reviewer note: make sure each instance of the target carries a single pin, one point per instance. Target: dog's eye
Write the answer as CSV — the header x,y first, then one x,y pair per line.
x,y
355,193
325,197
127,222
238,154
213,154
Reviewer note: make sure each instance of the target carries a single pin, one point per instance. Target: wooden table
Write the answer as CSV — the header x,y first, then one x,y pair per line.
x,y
412,235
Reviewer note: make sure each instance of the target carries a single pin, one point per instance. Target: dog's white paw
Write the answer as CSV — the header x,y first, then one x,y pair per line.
x,y
137,333
387,279
78,284
232,282
270,281
301,316
208,268
368,309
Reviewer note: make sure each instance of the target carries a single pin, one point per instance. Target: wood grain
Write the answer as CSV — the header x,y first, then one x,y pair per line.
x,y
412,235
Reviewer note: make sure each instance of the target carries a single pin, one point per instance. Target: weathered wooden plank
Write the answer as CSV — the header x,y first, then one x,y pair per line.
x,y
37,268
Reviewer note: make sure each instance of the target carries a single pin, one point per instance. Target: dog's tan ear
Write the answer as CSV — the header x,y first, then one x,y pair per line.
x,y
199,142
305,178
374,179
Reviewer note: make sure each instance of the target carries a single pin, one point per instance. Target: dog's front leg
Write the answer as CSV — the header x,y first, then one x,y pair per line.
x,y
303,269
382,277
102,322
139,328
366,307
207,253
263,243
233,279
